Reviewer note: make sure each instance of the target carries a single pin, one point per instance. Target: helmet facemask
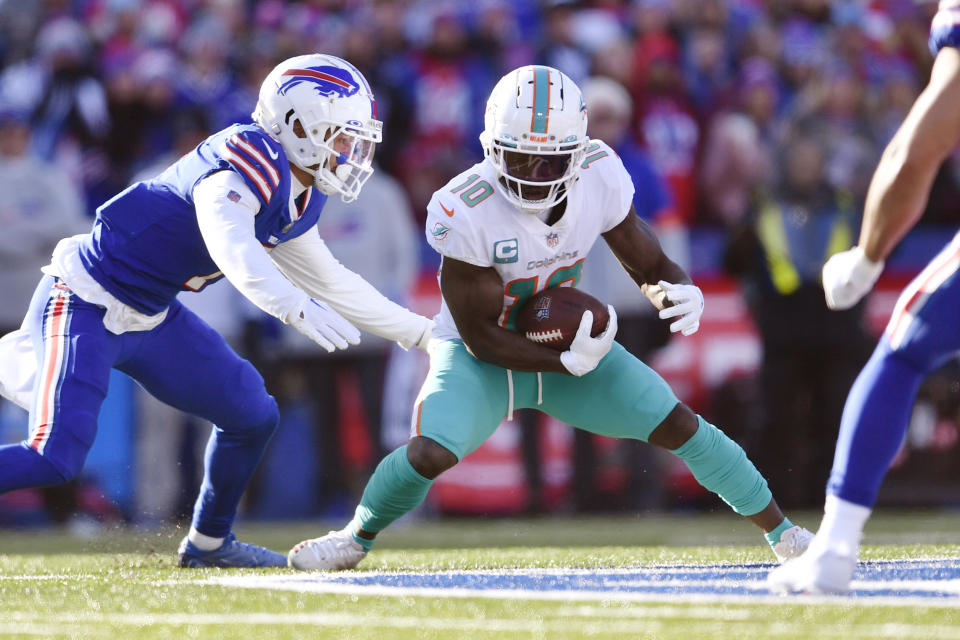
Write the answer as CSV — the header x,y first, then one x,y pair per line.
x,y
346,157
535,136
536,179
322,111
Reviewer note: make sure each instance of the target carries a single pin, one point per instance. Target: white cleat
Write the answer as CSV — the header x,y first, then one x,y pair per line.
x,y
793,542
333,552
816,571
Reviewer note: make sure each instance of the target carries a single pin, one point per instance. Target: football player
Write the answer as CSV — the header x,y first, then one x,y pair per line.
x,y
242,205
922,332
519,222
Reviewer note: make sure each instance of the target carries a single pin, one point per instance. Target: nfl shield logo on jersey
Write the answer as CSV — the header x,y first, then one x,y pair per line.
x,y
553,239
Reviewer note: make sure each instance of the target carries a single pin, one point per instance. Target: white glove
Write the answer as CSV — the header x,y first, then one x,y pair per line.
x,y
687,302
319,322
848,276
586,352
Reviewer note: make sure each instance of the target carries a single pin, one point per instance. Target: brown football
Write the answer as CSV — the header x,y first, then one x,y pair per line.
x,y
552,316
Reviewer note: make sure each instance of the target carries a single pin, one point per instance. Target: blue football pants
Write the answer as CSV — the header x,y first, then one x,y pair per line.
x,y
923,333
182,361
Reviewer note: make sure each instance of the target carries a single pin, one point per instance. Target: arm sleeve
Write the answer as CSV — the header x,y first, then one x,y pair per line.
x,y
227,228
307,261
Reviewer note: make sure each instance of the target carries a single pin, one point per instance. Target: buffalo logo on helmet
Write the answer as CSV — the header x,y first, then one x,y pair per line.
x,y
328,81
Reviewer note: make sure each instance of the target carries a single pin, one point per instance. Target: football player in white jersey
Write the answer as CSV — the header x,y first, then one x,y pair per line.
x,y
519,222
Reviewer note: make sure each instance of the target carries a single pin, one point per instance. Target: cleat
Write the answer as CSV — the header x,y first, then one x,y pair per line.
x,y
333,552
816,571
231,553
793,542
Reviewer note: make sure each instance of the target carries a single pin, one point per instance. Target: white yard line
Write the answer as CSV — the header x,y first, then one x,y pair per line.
x,y
265,582
28,624
750,584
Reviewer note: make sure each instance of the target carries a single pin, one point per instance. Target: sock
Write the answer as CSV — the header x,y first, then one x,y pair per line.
x,y
874,423
842,526
720,465
395,488
773,537
202,542
230,459
366,543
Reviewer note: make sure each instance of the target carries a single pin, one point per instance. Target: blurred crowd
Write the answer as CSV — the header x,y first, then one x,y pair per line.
x,y
761,118
107,86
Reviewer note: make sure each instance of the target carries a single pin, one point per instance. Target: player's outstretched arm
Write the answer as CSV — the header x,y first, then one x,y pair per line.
x,y
308,262
661,279
901,184
227,227
474,296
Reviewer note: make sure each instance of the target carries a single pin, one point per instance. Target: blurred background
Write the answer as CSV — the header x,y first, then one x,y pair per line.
x,y
750,127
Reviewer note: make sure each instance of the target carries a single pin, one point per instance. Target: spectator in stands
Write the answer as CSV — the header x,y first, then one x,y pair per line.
x,y
445,92
665,120
38,206
738,152
558,48
204,79
66,102
811,354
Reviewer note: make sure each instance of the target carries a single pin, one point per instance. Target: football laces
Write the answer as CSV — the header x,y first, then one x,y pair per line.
x,y
545,336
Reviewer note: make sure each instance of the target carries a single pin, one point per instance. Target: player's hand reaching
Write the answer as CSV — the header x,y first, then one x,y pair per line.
x,y
586,352
319,322
687,306
848,276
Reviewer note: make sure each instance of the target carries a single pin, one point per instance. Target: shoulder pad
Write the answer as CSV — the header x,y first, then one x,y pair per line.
x,y
258,158
461,195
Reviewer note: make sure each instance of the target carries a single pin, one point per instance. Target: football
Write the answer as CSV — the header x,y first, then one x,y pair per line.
x,y
552,316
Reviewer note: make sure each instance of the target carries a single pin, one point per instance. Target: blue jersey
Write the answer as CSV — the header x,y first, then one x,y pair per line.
x,y
945,29
146,245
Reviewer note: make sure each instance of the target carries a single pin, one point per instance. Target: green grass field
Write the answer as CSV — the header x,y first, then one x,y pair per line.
x,y
124,584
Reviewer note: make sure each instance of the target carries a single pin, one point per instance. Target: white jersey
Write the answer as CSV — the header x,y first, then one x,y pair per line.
x,y
470,220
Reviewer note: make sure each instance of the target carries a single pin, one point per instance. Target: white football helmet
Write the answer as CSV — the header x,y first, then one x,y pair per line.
x,y
535,134
337,115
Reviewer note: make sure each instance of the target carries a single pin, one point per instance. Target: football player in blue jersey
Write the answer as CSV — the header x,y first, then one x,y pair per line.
x,y
242,205
923,332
